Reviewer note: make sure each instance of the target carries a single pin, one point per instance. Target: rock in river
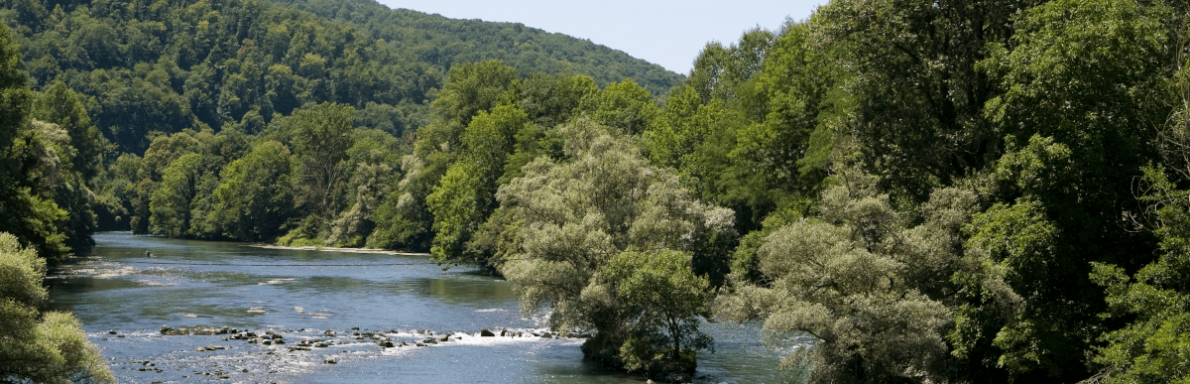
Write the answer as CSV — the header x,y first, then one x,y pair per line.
x,y
486,333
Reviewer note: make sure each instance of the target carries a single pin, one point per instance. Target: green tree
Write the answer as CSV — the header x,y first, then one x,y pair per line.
x,y
321,137
465,196
375,155
255,197
868,290
625,106
663,303
170,202
35,346
62,106
1069,185
1153,300
404,219
577,215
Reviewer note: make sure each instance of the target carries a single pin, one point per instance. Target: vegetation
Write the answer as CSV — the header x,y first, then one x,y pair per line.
x,y
42,178
581,233
902,191
39,347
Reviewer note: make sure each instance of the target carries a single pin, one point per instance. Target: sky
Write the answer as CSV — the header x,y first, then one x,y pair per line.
x,y
669,33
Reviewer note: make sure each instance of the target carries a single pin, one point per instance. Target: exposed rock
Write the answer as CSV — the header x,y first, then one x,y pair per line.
x,y
444,338
330,360
210,348
386,344
486,333
112,332
321,345
329,333
430,340
207,331
167,330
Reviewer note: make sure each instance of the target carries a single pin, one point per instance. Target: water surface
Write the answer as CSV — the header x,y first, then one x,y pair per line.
x,y
123,298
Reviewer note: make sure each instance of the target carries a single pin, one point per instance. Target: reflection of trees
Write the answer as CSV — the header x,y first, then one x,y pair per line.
x,y
459,291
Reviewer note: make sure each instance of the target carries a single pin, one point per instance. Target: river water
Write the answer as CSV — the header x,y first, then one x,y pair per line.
x,y
124,298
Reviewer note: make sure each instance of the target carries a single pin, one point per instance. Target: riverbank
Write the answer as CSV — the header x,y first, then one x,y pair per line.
x,y
335,249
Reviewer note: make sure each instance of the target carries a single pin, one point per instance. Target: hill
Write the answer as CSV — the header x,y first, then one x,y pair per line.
x,y
443,41
148,68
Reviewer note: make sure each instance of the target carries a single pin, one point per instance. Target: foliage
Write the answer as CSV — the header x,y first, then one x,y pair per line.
x,y
39,347
465,196
254,197
576,216
447,43
164,67
663,302
866,286
170,202
321,137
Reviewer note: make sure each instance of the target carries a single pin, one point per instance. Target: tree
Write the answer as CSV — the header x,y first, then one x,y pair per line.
x,y
35,346
918,92
375,155
404,219
61,105
465,195
255,196
573,217
1153,301
170,202
868,290
1076,114
625,106
321,137
663,303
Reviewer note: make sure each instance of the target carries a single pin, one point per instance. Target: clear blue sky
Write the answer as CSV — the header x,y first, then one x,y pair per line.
x,y
669,33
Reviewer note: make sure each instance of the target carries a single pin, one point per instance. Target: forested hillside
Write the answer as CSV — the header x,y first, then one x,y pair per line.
x,y
159,67
443,42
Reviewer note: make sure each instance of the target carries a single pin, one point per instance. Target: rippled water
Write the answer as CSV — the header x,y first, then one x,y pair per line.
x,y
123,300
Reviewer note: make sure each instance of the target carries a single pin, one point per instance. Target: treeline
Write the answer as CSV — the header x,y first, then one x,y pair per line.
x,y
149,68
48,149
444,42
928,191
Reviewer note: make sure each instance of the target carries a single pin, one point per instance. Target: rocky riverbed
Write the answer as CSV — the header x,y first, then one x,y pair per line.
x,y
261,315
256,355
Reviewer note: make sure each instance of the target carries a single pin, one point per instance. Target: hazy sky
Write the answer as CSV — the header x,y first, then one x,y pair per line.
x,y
669,33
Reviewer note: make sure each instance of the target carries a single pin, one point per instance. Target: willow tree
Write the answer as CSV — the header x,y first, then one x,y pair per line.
x,y
861,294
587,231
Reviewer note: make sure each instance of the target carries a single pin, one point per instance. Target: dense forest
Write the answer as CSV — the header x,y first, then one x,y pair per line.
x,y
900,191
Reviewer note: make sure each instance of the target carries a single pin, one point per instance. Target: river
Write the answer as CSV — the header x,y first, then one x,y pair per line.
x,y
123,298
